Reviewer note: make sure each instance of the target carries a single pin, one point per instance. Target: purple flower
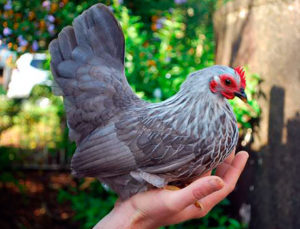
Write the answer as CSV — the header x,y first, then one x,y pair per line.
x,y
8,5
120,1
178,2
7,31
50,18
160,23
22,41
35,45
51,28
46,4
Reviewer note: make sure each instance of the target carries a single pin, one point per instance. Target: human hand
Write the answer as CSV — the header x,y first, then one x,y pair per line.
x,y
161,207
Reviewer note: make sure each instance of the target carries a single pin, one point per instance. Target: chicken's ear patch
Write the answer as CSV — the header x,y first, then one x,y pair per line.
x,y
212,86
240,71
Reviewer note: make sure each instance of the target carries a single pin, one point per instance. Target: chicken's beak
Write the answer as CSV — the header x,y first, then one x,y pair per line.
x,y
242,95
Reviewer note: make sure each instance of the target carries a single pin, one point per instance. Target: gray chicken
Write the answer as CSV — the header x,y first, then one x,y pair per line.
x,y
127,143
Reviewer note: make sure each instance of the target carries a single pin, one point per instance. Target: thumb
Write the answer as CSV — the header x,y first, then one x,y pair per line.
x,y
195,191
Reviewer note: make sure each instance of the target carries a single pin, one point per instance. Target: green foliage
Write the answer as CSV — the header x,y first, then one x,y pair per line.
x,y
90,202
36,120
8,108
216,219
31,25
160,54
8,155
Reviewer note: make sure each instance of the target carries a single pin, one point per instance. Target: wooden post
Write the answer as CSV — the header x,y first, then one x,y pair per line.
x,y
265,35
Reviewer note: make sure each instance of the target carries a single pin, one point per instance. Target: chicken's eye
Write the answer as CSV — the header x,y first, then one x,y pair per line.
x,y
228,82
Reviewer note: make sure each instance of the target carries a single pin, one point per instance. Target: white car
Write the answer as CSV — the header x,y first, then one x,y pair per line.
x,y
28,73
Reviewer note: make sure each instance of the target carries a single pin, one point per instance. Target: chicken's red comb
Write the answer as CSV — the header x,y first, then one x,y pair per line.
x,y
241,73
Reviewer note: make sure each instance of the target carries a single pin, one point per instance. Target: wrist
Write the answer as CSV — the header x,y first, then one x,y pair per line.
x,y
125,216
135,217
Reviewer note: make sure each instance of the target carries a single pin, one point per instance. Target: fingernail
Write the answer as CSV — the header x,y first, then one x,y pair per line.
x,y
216,183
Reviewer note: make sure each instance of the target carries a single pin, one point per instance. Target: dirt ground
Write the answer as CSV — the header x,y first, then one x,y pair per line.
x,y
31,202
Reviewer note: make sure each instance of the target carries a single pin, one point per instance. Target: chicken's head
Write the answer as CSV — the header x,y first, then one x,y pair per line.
x,y
230,85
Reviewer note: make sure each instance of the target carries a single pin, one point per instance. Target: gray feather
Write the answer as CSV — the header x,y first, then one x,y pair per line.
x,y
67,69
82,53
83,61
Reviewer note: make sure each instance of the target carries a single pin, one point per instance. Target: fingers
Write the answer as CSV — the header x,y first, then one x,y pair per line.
x,y
208,202
230,178
230,157
221,169
232,154
178,200
173,207
237,166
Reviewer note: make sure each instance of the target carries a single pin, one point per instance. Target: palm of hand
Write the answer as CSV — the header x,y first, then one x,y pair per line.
x,y
163,207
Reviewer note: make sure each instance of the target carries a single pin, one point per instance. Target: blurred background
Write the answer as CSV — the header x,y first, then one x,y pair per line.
x,y
165,41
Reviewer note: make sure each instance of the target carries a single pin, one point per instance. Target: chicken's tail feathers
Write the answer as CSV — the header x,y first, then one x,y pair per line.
x,y
95,32
99,27
87,62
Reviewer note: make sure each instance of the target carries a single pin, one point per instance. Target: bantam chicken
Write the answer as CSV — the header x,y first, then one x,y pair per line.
x,y
127,143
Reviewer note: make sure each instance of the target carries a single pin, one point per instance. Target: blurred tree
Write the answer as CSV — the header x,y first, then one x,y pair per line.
x,y
31,25
177,36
